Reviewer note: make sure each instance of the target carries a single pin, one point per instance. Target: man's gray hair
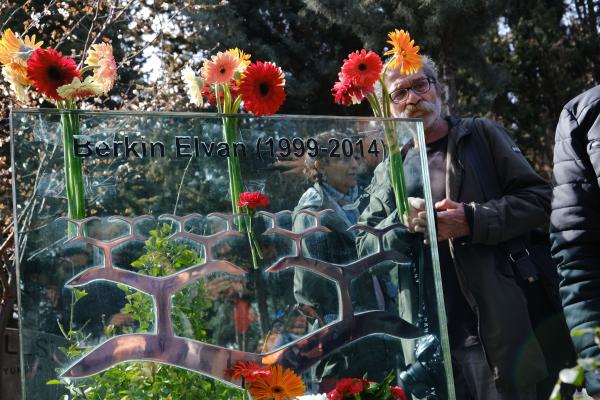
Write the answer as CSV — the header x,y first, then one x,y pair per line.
x,y
429,68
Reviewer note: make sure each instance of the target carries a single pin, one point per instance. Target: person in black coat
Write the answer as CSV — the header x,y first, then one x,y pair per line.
x,y
575,220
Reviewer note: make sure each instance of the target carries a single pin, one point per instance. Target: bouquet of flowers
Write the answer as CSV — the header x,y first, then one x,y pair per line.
x,y
230,81
26,63
268,383
360,72
361,389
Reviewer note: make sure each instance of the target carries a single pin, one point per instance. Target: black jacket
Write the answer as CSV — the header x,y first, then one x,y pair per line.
x,y
575,220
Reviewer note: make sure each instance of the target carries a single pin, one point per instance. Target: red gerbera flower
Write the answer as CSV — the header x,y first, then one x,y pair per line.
x,y
262,88
249,371
253,200
362,68
347,388
398,393
49,70
347,92
351,386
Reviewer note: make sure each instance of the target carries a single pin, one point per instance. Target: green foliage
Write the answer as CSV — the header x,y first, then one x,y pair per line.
x,y
148,380
572,380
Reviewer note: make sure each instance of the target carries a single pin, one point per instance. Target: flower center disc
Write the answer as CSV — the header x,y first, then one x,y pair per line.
x,y
53,73
277,389
263,88
362,67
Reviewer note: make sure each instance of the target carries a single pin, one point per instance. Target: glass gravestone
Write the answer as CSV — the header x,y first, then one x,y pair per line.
x,y
157,284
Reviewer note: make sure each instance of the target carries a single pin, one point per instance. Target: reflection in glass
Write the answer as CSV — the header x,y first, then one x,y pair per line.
x,y
168,279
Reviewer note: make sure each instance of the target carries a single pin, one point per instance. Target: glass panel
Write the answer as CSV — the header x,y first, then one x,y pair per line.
x,y
157,282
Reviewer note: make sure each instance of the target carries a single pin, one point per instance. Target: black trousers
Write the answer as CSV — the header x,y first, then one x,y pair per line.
x,y
473,379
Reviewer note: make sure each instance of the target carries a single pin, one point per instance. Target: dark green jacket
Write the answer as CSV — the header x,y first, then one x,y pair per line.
x,y
483,268
575,224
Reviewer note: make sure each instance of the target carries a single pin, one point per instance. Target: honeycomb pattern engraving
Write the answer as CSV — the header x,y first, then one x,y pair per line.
x,y
212,360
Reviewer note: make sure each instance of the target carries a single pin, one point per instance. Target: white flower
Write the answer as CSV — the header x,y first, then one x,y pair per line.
x,y
194,86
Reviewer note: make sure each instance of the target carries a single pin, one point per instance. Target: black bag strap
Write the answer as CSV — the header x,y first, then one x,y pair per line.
x,y
474,146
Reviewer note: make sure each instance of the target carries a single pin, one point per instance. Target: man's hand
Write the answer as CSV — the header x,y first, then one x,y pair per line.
x,y
417,216
451,220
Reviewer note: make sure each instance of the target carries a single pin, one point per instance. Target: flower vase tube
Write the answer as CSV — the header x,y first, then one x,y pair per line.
x,y
236,184
73,169
397,176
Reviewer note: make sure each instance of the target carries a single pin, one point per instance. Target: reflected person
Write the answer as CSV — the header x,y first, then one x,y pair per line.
x,y
335,188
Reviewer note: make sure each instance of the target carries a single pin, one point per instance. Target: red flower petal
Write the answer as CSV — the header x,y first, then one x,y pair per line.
x,y
249,371
347,92
49,70
262,88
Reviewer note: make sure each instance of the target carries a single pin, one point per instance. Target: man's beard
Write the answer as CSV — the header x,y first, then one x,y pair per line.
x,y
420,110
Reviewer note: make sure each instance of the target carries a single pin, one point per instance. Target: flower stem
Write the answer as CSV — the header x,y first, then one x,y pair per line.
x,y
236,185
397,177
73,169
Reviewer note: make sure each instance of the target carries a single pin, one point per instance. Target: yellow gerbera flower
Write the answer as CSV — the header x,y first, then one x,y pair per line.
x,y
244,59
283,384
13,49
194,86
405,53
78,89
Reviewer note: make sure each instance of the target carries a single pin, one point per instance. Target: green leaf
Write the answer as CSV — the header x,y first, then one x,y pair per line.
x,y
572,376
555,395
581,332
53,382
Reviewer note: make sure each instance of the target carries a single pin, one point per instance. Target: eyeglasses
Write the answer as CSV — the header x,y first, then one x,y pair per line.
x,y
420,86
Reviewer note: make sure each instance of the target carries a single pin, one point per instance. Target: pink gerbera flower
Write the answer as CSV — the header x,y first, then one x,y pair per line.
x,y
220,69
100,56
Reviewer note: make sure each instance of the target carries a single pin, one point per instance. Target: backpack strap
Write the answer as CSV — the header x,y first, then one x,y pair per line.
x,y
473,147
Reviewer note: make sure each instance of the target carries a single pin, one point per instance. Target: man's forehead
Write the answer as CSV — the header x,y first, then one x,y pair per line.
x,y
397,80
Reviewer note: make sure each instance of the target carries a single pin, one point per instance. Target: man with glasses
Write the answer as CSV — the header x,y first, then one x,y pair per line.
x,y
495,354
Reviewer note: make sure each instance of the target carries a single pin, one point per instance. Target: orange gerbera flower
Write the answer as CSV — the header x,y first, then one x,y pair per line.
x,y
13,49
220,69
14,53
405,53
283,384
